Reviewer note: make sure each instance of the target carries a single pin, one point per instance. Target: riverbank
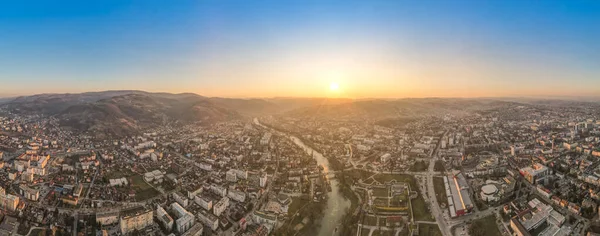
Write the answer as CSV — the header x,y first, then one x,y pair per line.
x,y
339,201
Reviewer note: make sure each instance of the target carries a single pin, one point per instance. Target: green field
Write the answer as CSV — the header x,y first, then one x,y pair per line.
x,y
484,227
384,178
116,174
38,232
381,192
440,190
143,191
296,204
419,166
357,174
383,233
429,230
420,211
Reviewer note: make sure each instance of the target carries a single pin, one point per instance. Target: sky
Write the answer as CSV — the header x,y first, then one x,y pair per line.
x,y
371,49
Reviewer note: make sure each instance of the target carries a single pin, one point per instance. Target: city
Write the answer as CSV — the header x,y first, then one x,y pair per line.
x,y
299,118
505,168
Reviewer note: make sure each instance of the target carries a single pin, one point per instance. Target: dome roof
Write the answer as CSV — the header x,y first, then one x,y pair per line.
x,y
489,189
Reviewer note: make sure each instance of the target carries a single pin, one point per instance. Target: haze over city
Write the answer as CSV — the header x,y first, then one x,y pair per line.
x,y
371,49
300,118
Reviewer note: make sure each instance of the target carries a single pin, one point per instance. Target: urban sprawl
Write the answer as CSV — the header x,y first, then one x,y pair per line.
x,y
519,170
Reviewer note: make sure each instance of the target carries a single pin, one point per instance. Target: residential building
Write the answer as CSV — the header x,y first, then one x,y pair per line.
x,y
179,198
164,218
209,220
107,218
8,201
196,230
535,173
29,193
220,206
231,176
185,220
203,202
219,190
135,219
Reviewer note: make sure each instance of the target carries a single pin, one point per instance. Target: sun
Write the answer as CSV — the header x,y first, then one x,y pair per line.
x,y
333,86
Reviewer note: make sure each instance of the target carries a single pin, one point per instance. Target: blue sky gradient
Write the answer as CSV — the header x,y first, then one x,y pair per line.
x,y
296,48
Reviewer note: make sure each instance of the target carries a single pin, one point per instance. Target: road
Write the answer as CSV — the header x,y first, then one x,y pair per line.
x,y
75,224
442,219
433,173
90,187
437,213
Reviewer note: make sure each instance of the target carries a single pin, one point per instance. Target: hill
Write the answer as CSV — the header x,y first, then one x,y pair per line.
x,y
129,111
126,114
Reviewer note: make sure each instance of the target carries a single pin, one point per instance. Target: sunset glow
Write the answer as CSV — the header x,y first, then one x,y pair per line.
x,y
334,87
385,49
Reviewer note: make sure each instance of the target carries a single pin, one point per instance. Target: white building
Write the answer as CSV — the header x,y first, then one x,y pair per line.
x,y
148,144
196,230
182,200
164,218
29,193
385,157
185,220
192,194
155,175
263,180
231,176
220,206
237,195
264,218
489,192
203,202
536,173
118,182
209,220
241,174
219,190
204,166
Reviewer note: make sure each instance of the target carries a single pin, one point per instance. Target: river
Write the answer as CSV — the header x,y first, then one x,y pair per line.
x,y
337,205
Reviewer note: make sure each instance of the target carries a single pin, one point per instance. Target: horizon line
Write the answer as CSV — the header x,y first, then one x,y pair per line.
x,y
5,96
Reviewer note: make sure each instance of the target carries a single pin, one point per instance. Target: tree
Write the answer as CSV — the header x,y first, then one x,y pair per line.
x,y
477,230
570,219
